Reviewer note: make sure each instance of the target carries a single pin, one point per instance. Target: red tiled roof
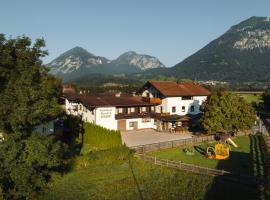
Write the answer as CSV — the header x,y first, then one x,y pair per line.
x,y
169,88
109,100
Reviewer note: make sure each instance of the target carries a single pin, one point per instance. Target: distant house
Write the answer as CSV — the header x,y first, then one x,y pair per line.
x,y
159,105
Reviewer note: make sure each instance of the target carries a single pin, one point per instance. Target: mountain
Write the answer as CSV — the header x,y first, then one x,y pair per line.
x,y
74,59
141,61
240,54
78,62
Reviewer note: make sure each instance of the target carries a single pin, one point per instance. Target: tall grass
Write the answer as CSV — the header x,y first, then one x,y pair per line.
x,y
98,138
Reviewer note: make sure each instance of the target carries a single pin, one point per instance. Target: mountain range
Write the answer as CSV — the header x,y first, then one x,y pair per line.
x,y
241,54
78,62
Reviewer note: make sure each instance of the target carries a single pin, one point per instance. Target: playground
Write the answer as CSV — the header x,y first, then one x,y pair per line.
x,y
241,155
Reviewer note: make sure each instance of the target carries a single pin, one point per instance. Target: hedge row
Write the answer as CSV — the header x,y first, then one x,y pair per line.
x,y
99,138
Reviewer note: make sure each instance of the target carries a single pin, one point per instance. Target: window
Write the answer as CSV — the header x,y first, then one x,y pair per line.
x,y
131,124
187,98
161,109
152,108
147,94
143,109
131,110
145,120
173,109
183,109
192,109
119,110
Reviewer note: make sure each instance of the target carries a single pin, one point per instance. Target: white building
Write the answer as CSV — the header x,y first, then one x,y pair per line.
x,y
112,112
160,105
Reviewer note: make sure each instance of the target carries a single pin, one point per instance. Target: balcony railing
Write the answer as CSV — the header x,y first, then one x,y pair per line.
x,y
132,115
152,100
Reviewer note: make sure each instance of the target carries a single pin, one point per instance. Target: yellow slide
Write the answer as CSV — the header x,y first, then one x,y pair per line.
x,y
232,142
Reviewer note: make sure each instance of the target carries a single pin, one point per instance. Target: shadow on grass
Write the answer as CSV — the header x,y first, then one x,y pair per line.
x,y
248,174
135,179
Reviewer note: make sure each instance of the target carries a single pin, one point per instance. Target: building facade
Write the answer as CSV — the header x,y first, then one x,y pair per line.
x,y
158,105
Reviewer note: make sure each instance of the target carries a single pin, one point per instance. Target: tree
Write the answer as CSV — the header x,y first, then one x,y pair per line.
x,y
227,112
266,99
27,163
28,94
28,97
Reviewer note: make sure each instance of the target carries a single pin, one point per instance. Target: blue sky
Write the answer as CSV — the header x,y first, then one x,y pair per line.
x,y
168,29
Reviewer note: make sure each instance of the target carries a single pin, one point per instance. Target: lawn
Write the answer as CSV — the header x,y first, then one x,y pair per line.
x,y
113,174
251,98
242,159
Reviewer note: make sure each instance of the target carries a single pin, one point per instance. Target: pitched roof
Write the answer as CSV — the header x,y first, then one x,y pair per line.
x,y
109,100
170,88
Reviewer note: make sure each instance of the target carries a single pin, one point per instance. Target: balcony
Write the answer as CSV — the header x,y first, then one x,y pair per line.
x,y
132,115
152,100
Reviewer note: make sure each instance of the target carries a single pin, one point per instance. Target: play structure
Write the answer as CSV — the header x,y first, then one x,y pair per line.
x,y
221,150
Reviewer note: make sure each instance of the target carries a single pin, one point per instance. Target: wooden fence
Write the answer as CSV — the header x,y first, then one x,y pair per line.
x,y
177,143
171,144
180,165
248,180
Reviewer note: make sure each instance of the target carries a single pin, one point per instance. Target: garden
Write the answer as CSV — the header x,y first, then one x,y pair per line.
x,y
108,170
245,159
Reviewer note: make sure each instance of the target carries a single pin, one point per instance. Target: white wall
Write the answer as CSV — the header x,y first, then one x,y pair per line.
x,y
105,116
141,125
88,116
70,106
177,102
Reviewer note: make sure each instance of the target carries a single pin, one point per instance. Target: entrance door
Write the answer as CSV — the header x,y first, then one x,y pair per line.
x,y
121,125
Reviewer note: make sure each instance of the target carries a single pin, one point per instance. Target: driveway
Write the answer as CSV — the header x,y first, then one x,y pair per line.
x,y
149,136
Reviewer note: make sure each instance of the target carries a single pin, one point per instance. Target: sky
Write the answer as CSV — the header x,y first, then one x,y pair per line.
x,y
170,30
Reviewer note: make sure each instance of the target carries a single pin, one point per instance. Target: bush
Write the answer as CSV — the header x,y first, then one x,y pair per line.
x,y
98,138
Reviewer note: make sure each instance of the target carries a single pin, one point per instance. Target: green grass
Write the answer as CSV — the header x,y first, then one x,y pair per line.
x,y
252,98
115,174
241,159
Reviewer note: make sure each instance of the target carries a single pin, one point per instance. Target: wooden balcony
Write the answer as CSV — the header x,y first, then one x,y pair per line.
x,y
152,100
132,115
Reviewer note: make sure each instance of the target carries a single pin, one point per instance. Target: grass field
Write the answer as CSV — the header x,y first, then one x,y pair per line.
x,y
242,159
113,174
251,98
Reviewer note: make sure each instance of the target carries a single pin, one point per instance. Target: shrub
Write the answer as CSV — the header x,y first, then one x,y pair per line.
x,y
98,138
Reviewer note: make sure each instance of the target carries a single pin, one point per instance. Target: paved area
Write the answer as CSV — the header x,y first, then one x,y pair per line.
x,y
149,136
